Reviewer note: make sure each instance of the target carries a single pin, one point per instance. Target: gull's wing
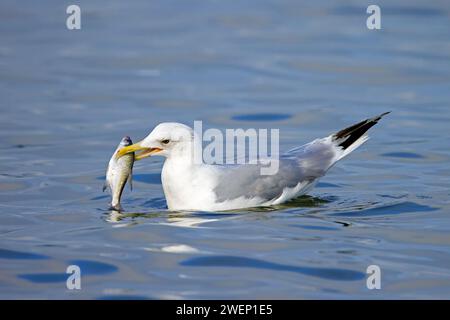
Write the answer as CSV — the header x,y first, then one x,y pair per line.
x,y
303,164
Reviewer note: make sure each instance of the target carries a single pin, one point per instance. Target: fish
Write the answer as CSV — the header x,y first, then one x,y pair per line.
x,y
118,173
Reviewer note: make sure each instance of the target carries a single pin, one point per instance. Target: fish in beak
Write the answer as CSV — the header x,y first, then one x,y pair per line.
x,y
119,172
141,151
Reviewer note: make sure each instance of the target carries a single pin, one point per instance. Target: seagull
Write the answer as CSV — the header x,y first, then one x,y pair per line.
x,y
192,186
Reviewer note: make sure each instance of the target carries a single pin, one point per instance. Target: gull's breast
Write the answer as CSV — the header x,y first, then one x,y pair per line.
x,y
188,188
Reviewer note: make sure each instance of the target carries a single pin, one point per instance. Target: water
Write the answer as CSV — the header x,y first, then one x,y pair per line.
x,y
309,69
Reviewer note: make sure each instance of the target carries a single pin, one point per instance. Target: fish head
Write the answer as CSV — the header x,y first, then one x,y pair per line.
x,y
126,141
166,139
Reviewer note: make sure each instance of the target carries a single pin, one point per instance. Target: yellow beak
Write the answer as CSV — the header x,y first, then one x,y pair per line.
x,y
145,152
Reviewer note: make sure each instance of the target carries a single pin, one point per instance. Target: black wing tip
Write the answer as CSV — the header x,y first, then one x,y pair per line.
x,y
380,116
351,134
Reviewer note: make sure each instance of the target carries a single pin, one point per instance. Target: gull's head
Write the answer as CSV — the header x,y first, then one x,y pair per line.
x,y
166,139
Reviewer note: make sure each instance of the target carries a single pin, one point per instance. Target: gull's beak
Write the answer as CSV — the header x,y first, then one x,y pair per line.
x,y
145,151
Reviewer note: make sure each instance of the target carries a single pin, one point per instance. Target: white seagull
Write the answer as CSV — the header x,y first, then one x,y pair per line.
x,y
189,185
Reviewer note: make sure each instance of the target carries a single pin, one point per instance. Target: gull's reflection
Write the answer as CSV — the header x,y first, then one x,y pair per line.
x,y
115,216
177,219
193,219
187,222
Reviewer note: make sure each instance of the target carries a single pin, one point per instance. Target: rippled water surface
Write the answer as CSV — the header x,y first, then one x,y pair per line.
x,y
309,69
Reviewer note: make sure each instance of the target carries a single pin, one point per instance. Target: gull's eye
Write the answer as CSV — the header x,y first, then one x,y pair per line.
x,y
165,141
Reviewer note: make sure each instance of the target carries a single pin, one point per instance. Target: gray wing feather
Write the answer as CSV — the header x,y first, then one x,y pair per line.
x,y
305,163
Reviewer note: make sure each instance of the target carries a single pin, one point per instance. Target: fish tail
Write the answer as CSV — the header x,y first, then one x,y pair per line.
x,y
116,207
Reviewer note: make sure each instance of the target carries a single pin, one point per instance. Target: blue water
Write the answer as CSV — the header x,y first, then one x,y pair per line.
x,y
308,69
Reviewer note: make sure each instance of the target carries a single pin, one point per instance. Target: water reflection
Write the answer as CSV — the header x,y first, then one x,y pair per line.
x,y
242,262
87,267
123,297
44,277
386,210
304,202
176,219
19,255
195,219
261,117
